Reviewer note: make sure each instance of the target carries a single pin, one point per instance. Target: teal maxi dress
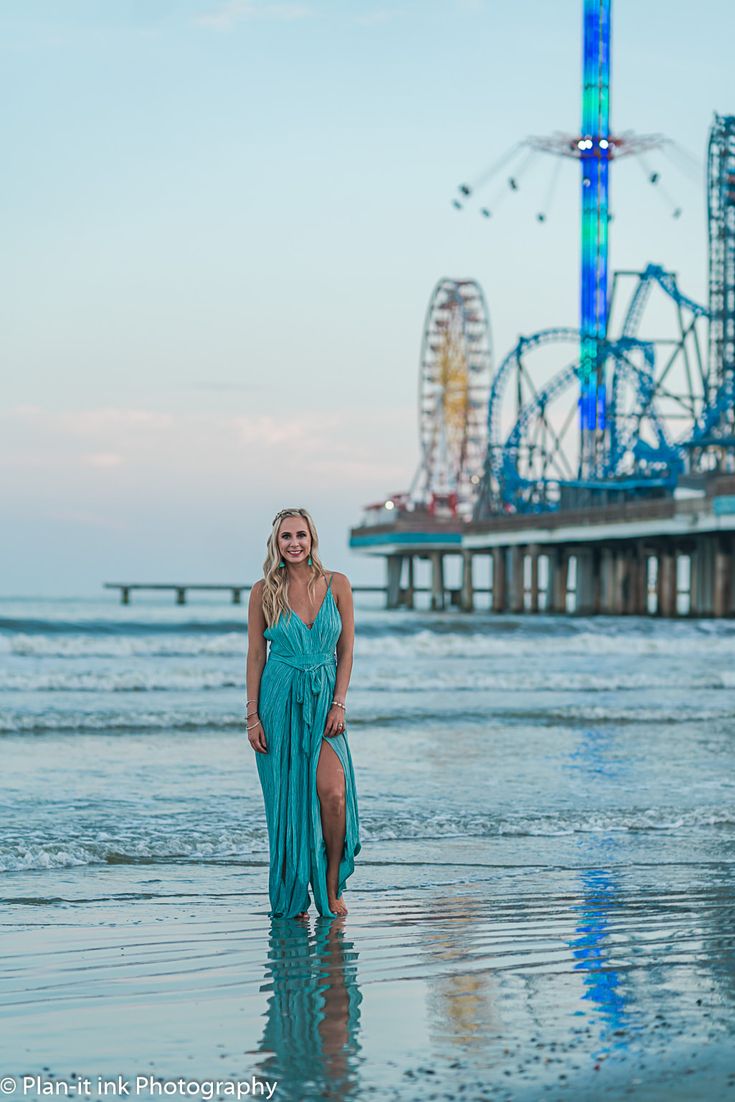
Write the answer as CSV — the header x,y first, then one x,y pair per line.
x,y
296,691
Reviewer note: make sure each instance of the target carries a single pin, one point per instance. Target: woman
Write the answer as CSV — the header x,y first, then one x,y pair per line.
x,y
296,719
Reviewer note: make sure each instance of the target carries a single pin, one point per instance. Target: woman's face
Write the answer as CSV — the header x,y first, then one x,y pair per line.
x,y
294,541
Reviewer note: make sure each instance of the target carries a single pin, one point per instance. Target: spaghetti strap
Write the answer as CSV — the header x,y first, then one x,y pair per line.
x,y
330,581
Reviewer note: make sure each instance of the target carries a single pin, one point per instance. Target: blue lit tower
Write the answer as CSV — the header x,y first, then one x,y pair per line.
x,y
594,147
594,154
634,410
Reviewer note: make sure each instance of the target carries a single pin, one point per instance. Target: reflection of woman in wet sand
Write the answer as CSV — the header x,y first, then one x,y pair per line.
x,y
296,719
311,1033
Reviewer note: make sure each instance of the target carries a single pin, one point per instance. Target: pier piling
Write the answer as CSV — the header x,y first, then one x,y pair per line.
x,y
515,577
408,597
533,584
394,565
722,598
499,579
437,580
666,583
468,593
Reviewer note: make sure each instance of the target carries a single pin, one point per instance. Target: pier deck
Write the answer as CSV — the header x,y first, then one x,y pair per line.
x,y
667,556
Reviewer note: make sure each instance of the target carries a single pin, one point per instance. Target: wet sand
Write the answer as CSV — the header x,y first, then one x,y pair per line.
x,y
543,906
523,982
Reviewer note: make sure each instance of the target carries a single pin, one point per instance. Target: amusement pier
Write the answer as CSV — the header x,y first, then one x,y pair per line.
x,y
592,470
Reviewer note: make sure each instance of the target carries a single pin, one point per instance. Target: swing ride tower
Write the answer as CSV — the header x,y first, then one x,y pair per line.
x,y
613,422
594,154
595,147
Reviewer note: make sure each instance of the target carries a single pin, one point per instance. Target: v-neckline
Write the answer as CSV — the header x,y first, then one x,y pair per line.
x,y
321,606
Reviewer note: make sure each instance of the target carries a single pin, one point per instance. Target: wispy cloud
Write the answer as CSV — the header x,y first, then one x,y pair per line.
x,y
232,12
225,385
102,459
194,451
83,422
88,518
301,434
378,16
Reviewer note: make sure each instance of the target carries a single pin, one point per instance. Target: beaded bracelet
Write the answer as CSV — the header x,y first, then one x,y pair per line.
x,y
339,705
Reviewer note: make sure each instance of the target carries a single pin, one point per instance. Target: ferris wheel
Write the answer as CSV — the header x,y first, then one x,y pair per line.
x,y
454,384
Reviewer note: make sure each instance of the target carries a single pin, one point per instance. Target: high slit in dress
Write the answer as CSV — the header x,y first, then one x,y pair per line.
x,y
296,691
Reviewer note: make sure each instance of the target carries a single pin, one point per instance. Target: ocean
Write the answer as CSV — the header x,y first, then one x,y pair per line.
x,y
547,816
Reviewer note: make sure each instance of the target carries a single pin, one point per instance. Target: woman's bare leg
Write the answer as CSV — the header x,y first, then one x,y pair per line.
x,y
330,785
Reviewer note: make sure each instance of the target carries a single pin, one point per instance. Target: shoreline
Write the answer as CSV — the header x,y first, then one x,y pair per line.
x,y
476,990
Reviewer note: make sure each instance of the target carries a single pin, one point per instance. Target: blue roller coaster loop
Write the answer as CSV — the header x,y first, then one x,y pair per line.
x,y
511,483
654,273
624,440
513,359
658,464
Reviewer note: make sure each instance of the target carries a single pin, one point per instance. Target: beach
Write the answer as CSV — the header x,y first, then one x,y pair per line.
x,y
542,907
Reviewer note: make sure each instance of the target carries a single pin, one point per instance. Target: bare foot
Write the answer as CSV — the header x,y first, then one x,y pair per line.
x,y
337,905
302,914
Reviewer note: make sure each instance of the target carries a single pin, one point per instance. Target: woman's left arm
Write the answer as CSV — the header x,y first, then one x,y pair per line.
x,y
345,646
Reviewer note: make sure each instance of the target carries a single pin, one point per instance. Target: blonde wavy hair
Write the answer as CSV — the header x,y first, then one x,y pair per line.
x,y
275,577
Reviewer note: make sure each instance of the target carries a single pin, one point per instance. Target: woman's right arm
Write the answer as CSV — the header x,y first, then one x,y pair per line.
x,y
254,670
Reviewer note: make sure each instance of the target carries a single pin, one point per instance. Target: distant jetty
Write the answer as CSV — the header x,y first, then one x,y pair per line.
x,y
181,590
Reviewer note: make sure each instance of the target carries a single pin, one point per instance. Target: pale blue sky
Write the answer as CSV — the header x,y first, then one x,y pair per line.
x,y
222,222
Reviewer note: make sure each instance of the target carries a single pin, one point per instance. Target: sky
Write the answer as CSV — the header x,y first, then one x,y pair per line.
x,y
222,224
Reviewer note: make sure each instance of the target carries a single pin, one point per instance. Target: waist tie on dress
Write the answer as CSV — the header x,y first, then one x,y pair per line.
x,y
307,683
